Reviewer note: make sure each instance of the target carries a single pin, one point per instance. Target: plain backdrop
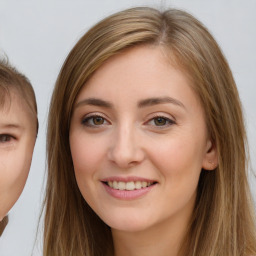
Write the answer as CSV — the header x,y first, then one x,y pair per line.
x,y
37,36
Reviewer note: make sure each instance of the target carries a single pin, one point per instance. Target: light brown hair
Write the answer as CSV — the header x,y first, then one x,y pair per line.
x,y
11,80
3,224
223,221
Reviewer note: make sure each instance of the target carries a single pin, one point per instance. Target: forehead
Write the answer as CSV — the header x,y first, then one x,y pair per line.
x,y
145,70
15,111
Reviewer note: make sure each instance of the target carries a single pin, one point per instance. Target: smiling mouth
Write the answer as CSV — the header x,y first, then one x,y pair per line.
x,y
129,186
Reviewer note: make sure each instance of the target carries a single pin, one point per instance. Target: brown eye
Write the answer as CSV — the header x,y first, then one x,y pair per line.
x,y
98,120
5,138
160,121
94,121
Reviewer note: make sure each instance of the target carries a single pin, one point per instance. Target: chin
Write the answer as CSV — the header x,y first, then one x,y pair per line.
x,y
129,224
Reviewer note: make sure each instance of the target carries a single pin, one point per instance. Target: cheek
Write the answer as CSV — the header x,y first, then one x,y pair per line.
x,y
179,166
179,160
14,169
87,154
174,153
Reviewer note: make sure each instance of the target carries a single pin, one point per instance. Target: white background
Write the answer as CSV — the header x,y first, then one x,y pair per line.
x,y
37,36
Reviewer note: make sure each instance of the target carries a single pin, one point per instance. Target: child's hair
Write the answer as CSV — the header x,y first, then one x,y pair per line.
x,y
13,81
223,220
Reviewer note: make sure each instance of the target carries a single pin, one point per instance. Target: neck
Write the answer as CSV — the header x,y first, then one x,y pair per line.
x,y
163,239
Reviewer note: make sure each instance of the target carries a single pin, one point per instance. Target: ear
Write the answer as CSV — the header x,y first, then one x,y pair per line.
x,y
210,161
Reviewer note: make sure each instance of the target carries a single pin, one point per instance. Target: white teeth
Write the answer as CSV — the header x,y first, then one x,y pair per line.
x,y
138,185
115,185
144,184
131,185
121,185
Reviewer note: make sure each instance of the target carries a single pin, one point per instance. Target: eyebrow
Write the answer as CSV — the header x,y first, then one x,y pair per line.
x,y
94,102
143,103
160,100
11,126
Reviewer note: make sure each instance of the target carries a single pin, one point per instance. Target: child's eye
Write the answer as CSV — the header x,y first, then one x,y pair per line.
x,y
94,120
160,121
5,138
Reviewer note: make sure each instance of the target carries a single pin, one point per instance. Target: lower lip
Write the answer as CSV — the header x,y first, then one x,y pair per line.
x,y
128,194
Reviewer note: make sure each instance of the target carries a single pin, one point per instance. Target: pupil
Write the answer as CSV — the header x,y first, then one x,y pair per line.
x,y
160,121
4,138
98,120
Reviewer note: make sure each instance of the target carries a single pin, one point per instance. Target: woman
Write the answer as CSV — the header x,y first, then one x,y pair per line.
x,y
146,144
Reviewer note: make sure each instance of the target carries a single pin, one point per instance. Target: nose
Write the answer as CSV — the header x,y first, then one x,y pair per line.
x,y
126,150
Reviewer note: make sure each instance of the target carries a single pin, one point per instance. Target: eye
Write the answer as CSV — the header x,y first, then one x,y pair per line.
x,y
4,138
94,120
161,121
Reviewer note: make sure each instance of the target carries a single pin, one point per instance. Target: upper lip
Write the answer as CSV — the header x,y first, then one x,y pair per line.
x,y
127,179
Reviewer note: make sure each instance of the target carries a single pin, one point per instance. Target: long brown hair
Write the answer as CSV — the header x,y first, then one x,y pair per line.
x,y
223,220
3,224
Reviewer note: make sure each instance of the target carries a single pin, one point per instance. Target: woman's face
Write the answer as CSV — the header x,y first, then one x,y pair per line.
x,y
138,141
17,139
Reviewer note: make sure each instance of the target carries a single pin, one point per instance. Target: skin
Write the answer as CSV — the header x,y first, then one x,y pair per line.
x,y
129,141
17,140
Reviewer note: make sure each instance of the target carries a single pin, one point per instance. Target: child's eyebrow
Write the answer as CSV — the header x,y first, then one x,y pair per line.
x,y
11,126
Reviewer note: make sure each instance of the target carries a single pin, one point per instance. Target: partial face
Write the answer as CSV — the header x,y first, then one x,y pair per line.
x,y
138,140
17,139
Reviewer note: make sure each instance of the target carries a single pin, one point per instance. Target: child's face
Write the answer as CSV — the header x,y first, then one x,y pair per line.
x,y
17,139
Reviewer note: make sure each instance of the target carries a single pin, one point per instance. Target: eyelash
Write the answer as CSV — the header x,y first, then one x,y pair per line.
x,y
167,121
6,138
